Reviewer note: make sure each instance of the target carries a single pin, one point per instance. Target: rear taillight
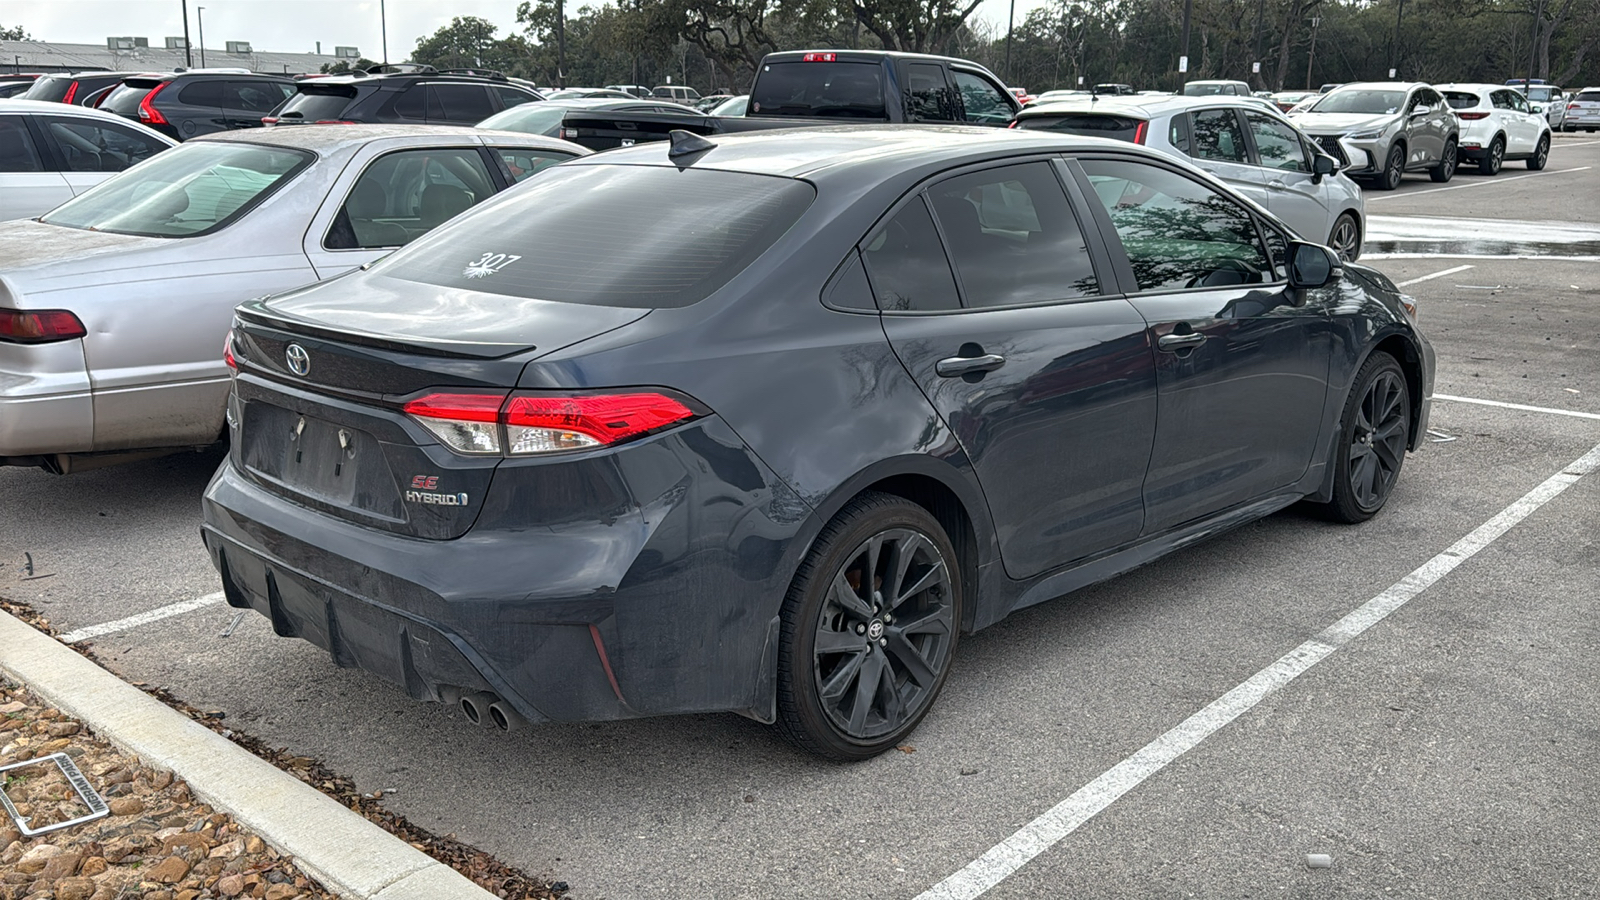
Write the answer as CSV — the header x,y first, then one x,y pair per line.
x,y
39,326
149,114
1139,133
227,352
1013,124
72,92
269,120
1572,106
1472,116
526,424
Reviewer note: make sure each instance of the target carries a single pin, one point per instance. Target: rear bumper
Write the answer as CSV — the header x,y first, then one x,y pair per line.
x,y
45,402
668,606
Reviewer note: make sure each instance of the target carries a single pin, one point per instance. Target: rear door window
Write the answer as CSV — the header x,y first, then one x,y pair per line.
x,y
1013,237
577,234
17,152
412,103
87,145
459,103
403,195
510,96
907,265
254,96
928,97
982,103
838,89
204,93
1217,135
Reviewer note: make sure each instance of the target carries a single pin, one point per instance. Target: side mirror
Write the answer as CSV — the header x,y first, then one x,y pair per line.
x,y
1423,110
1312,265
1322,165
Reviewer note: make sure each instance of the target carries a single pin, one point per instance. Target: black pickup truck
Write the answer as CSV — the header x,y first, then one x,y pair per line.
x,y
800,88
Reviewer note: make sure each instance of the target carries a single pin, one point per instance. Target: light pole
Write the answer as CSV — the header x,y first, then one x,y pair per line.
x,y
1394,70
1183,61
383,23
200,16
188,54
1011,26
1255,37
1312,56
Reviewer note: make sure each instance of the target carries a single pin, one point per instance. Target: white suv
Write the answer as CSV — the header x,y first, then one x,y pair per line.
x,y
1497,124
1583,110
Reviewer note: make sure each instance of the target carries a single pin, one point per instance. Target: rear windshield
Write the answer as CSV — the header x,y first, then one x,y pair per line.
x,y
1375,103
314,104
1589,96
642,237
840,89
532,118
1122,128
1460,99
1208,90
124,98
189,190
51,87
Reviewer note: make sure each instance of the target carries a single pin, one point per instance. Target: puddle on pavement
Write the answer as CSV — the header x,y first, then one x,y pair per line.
x,y
1431,236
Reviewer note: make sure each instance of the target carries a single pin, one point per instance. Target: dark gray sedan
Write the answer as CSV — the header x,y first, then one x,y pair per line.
x,y
835,403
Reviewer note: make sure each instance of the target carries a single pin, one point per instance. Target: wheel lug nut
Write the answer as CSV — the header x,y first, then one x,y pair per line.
x,y
861,629
883,642
888,620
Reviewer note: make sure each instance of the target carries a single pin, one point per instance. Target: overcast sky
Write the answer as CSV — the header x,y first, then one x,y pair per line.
x,y
288,25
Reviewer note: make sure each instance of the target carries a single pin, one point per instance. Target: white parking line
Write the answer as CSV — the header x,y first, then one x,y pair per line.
x,y
154,615
1434,275
1456,187
1044,832
1525,408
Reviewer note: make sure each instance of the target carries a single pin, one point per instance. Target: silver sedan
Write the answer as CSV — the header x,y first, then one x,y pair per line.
x,y
114,306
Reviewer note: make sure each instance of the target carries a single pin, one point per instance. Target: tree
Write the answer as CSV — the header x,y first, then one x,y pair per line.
x,y
345,67
469,42
16,33
915,26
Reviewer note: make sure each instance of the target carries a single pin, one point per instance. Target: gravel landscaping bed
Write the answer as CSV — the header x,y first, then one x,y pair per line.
x,y
158,843
168,819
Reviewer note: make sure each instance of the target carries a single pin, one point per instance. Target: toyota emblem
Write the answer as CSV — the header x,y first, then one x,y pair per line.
x,y
298,359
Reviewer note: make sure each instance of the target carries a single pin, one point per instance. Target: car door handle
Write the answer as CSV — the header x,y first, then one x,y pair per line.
x,y
1175,342
956,366
1277,185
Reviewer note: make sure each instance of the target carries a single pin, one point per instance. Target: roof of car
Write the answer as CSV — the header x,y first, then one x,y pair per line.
x,y
327,140
1379,86
1471,86
1139,105
837,151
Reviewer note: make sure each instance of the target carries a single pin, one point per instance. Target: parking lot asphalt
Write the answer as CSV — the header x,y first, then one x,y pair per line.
x,y
1448,750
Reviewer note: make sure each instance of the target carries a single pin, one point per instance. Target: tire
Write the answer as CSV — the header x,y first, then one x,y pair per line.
x,y
1541,154
1446,169
1345,238
1373,434
1494,158
842,692
1394,168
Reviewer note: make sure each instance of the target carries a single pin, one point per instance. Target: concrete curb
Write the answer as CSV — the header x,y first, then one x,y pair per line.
x,y
348,854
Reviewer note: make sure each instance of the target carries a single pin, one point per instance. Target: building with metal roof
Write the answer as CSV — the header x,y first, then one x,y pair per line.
x,y
135,54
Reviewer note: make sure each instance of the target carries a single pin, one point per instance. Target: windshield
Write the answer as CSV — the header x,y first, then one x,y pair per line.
x,y
189,190
1206,90
1372,103
1541,94
1461,99
842,89
124,98
733,106
1588,96
1122,128
51,87
531,118
580,235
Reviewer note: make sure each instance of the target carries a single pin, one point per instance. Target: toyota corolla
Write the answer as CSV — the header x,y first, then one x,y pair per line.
x,y
766,425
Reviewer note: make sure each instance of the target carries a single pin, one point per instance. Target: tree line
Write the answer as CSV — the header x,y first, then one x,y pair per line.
x,y
715,45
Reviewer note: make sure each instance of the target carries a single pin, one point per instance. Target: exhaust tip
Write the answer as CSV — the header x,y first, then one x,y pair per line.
x,y
476,707
505,717
498,717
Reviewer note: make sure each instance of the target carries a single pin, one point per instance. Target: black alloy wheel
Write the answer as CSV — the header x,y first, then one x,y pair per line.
x,y
1494,159
870,628
1446,169
1541,154
1372,441
1345,238
1394,168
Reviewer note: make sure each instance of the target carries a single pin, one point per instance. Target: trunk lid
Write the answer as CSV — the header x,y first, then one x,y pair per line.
x,y
324,373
